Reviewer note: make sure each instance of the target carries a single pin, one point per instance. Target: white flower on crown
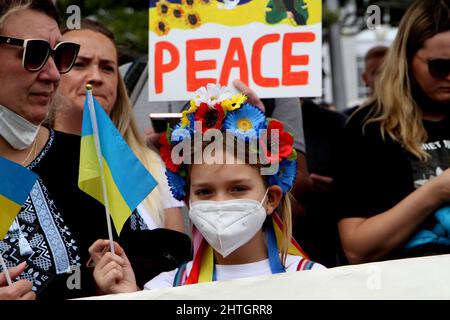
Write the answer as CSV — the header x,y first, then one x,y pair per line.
x,y
212,94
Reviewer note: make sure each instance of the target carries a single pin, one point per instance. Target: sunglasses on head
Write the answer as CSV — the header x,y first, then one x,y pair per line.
x,y
36,53
439,68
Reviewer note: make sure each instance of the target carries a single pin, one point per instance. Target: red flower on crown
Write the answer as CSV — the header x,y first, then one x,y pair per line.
x,y
210,117
285,142
166,153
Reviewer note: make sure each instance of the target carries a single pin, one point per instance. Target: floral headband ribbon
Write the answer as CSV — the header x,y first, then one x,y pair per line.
x,y
215,107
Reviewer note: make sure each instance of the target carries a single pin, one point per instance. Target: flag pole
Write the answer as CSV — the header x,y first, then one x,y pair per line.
x,y
100,162
5,270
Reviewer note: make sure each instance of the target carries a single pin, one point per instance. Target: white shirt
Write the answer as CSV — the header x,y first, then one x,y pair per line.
x,y
230,272
168,201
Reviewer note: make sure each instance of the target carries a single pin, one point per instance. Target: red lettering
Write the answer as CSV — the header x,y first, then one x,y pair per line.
x,y
193,65
258,78
229,63
160,66
299,78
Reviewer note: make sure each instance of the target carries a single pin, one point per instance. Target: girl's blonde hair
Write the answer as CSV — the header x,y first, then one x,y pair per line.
x,y
394,106
284,209
122,116
285,212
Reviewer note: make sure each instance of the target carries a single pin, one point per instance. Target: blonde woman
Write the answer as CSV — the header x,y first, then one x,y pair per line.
x,y
97,64
392,178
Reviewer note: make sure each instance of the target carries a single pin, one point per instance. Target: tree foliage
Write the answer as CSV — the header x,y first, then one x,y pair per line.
x,y
128,20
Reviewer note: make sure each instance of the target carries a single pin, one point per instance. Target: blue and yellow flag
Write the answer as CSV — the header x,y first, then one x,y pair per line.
x,y
16,183
126,181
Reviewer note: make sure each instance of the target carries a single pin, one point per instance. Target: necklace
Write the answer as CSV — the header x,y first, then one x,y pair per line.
x,y
33,148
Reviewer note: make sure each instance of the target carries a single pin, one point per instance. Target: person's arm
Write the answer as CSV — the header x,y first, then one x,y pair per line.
x,y
174,219
20,290
370,239
321,183
113,272
252,97
152,139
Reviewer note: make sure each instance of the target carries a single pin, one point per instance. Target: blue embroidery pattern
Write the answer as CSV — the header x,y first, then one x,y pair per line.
x,y
136,222
55,251
46,219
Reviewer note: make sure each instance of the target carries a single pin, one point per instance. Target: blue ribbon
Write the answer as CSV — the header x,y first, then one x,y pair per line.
x,y
274,257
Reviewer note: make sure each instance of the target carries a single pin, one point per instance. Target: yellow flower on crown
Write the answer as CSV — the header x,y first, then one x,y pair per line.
x,y
184,118
234,103
193,106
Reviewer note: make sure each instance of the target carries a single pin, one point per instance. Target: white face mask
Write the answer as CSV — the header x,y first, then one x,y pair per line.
x,y
17,131
227,225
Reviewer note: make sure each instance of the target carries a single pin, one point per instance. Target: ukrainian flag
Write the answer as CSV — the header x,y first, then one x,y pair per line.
x,y
126,181
15,186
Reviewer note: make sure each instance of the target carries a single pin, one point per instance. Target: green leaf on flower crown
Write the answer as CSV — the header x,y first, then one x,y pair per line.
x,y
293,156
182,172
168,132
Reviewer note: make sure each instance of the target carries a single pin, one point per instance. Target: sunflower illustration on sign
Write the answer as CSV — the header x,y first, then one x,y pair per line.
x,y
188,3
192,19
162,7
161,27
182,14
177,11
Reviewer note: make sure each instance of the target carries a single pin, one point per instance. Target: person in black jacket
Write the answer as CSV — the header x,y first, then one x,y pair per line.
x,y
393,177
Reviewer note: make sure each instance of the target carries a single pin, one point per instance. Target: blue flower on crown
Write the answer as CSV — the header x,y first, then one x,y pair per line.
x,y
245,122
285,177
188,123
179,135
176,184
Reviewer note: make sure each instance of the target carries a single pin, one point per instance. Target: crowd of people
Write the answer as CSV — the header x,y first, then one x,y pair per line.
x,y
375,185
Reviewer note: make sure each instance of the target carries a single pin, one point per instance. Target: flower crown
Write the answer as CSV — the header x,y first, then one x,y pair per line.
x,y
215,107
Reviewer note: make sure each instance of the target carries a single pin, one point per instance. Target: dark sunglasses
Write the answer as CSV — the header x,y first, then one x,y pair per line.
x,y
439,68
36,53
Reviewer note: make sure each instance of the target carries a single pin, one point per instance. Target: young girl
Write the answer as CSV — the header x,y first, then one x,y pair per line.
x,y
241,214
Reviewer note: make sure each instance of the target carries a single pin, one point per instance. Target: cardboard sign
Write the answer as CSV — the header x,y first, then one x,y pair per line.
x,y
274,46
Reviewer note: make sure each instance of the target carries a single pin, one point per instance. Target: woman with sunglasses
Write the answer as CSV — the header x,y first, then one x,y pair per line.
x,y
393,181
58,222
